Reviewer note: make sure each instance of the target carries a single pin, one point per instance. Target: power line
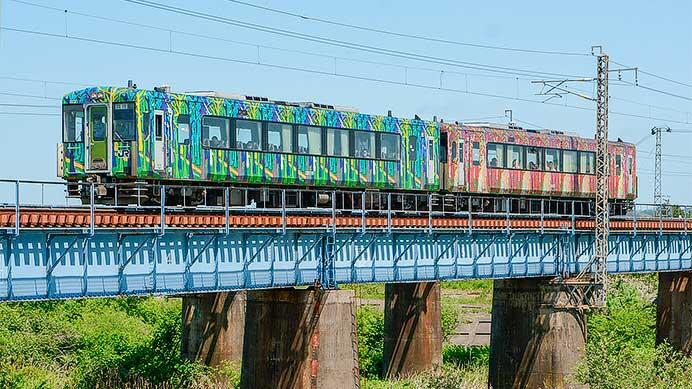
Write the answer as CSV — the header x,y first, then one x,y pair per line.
x,y
344,44
41,81
639,85
27,95
657,76
405,67
319,72
254,45
405,35
28,105
29,114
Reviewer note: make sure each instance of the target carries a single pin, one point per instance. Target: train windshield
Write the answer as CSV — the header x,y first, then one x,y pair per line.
x,y
124,125
73,123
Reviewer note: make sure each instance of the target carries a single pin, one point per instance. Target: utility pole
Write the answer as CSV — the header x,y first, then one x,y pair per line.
x,y
588,288
600,271
658,197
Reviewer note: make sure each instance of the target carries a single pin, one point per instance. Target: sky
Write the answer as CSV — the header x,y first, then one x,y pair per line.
x,y
190,53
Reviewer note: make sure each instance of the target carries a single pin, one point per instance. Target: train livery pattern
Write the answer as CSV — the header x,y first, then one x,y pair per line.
x,y
433,156
466,176
195,163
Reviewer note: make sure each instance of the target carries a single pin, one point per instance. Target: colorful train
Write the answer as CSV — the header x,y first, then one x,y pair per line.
x,y
204,139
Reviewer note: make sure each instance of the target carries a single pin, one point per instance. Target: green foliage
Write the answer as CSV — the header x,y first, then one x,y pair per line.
x,y
464,356
621,350
450,318
483,286
370,341
446,377
123,342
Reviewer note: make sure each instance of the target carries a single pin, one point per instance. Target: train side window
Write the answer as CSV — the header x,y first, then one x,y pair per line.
x,y
496,153
618,165
124,127
552,160
461,151
412,147
629,165
364,144
533,158
73,122
515,157
338,142
587,161
389,146
216,132
183,129
309,140
454,150
248,135
476,154
431,150
279,137
569,161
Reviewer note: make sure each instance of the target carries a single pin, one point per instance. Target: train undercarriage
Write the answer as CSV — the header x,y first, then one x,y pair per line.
x,y
195,195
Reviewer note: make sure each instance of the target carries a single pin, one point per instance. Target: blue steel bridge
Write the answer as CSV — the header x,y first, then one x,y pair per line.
x,y
72,250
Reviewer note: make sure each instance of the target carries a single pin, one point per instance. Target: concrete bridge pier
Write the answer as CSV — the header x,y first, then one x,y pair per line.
x,y
412,328
533,342
298,338
213,327
674,310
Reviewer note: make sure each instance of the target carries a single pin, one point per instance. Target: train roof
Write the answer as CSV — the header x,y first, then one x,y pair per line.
x,y
515,128
99,93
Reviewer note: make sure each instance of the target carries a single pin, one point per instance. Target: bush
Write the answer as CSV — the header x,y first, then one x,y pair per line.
x,y
463,356
449,317
621,351
370,341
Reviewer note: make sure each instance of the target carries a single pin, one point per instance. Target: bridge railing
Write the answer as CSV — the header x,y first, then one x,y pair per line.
x,y
22,194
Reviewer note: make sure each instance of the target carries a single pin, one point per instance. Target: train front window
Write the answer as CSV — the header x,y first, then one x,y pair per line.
x,y
73,123
124,127
98,122
618,165
533,158
389,146
496,153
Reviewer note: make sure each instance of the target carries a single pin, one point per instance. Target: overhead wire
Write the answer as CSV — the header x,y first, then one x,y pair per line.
x,y
406,35
325,73
639,70
343,44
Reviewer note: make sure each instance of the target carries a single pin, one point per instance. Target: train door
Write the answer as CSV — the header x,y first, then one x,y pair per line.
x,y
431,161
461,169
97,144
630,176
159,152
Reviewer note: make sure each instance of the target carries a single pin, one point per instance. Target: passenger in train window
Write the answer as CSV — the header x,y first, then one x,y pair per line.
x,y
550,166
515,164
493,162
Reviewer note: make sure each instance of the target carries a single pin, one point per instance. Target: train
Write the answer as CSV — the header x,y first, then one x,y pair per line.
x,y
194,144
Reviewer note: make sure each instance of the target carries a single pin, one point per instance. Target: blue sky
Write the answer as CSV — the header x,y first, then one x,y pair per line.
x,y
655,36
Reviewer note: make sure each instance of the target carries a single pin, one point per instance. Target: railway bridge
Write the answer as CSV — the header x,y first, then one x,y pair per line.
x,y
261,285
